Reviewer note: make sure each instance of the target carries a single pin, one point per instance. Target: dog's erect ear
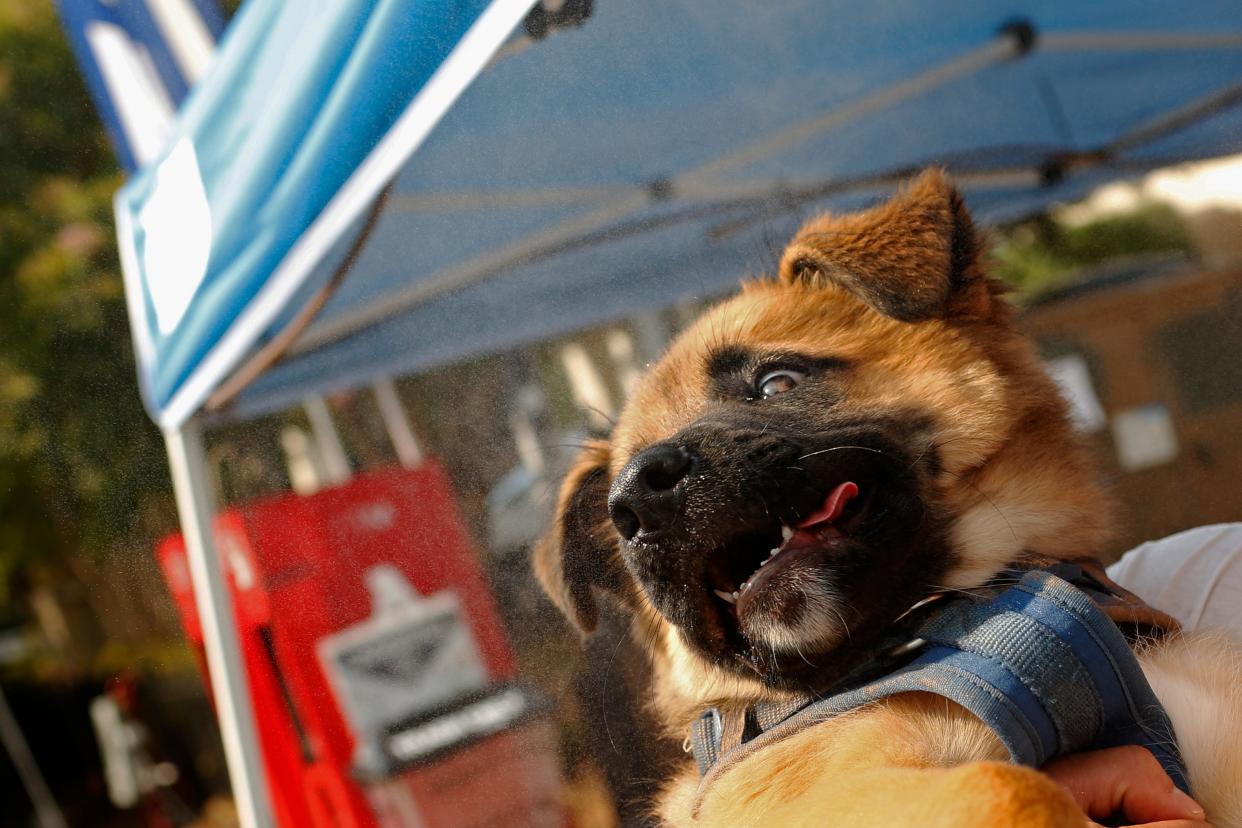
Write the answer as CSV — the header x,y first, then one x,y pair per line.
x,y
913,258
581,553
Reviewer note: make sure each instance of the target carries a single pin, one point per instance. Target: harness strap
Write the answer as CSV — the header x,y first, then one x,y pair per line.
x,y
1040,663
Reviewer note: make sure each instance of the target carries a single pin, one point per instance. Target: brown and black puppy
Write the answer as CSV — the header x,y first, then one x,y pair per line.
x,y
807,461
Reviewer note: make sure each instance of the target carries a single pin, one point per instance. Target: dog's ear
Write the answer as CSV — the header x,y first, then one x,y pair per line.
x,y
913,258
581,553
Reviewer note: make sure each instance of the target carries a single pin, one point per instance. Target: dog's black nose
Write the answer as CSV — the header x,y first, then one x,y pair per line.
x,y
645,496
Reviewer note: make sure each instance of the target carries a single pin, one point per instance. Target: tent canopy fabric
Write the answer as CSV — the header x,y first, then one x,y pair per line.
x,y
646,152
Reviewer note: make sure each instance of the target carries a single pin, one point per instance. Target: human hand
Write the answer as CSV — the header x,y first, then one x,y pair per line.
x,y
1126,781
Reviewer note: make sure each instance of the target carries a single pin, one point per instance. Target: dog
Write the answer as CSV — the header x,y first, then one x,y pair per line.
x,y
809,460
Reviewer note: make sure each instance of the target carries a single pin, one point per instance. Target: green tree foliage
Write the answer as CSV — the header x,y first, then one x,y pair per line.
x,y
1043,253
80,463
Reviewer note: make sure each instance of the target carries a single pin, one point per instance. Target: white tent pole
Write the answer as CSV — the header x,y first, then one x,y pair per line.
x,y
397,424
328,440
196,508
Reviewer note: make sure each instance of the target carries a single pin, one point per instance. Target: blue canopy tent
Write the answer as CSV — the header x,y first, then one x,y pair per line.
x,y
618,165
373,187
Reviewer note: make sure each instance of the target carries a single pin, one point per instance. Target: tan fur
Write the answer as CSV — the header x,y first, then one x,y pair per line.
x,y
898,255
1198,678
875,290
913,761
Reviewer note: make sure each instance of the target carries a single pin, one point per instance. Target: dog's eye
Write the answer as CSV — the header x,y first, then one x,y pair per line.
x,y
778,382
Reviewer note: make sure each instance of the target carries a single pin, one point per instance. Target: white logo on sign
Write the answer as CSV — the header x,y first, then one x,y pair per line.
x,y
376,516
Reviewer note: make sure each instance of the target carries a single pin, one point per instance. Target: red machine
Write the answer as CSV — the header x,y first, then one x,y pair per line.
x,y
378,668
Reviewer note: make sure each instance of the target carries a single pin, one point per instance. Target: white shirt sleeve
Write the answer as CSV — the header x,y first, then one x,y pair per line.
x,y
1195,576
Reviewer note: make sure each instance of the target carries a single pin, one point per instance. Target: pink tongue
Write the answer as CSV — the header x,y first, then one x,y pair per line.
x,y
832,507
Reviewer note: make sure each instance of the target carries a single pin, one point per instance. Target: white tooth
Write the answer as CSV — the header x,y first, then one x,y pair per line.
x,y
764,562
786,532
772,553
724,596
745,586
735,596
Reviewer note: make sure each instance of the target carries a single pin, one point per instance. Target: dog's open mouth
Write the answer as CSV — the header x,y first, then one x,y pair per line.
x,y
748,573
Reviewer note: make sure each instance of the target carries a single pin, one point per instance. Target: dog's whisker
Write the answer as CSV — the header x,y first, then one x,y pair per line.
x,y
930,445
767,510
844,626
990,502
844,448
604,689
939,444
608,418
972,592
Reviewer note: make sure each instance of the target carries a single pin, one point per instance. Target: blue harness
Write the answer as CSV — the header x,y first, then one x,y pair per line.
x,y
1039,662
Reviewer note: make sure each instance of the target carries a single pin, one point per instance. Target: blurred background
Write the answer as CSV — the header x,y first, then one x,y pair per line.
x,y
1131,283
